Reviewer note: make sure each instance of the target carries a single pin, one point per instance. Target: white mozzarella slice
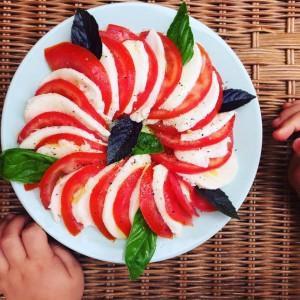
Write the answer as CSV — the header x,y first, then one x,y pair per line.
x,y
154,41
134,201
55,201
55,102
63,148
141,65
34,138
81,207
108,62
189,76
218,122
159,177
132,164
200,157
185,192
189,119
216,178
86,85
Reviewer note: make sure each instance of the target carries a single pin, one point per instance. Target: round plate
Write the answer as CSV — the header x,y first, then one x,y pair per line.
x,y
248,128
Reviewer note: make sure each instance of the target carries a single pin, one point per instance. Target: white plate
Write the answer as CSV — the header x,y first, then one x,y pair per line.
x,y
248,128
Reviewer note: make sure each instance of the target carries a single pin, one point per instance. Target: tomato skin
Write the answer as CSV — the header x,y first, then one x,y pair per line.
x,y
173,207
72,92
173,70
148,206
49,119
76,139
195,96
98,197
74,183
66,165
31,186
125,68
122,201
177,166
68,55
120,33
174,184
173,141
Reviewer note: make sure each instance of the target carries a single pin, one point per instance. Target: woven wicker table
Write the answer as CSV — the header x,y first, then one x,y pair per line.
x,y
256,257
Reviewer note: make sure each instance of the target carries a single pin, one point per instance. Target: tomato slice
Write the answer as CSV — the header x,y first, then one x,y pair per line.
x,y
122,201
173,207
72,92
73,185
76,139
125,68
173,70
49,119
120,33
178,166
174,141
174,184
66,165
98,197
68,55
31,186
194,97
148,206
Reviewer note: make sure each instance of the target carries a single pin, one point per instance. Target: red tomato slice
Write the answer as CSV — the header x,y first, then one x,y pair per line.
x,y
173,71
195,96
174,141
68,55
178,166
98,197
148,206
174,183
125,68
66,165
120,33
76,139
73,185
72,92
49,119
173,207
31,186
122,201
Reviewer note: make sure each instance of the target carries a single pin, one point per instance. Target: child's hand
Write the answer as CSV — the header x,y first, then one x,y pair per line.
x,y
285,125
31,268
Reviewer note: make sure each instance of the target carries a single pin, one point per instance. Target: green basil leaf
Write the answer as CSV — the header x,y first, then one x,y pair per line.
x,y
24,165
147,143
140,246
181,34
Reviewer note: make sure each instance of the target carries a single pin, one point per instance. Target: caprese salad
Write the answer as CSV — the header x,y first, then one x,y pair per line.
x,y
131,133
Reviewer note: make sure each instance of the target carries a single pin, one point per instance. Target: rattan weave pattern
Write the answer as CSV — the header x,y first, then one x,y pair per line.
x,y
256,257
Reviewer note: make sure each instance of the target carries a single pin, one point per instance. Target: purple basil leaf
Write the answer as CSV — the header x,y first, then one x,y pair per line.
x,y
219,200
85,32
235,98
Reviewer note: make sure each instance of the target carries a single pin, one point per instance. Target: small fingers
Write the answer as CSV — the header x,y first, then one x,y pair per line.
x,y
35,241
288,127
286,114
296,146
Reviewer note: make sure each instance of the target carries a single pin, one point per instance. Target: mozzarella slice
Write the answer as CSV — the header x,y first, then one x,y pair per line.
x,y
185,192
108,62
55,102
200,157
81,207
216,178
132,164
63,148
34,138
159,177
154,41
141,66
55,201
134,201
189,76
87,86
219,121
189,119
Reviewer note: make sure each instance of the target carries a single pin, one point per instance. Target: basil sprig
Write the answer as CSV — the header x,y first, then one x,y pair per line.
x,y
181,34
147,143
140,246
24,165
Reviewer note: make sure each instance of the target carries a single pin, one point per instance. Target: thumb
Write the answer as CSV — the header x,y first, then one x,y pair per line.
x,y
296,146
